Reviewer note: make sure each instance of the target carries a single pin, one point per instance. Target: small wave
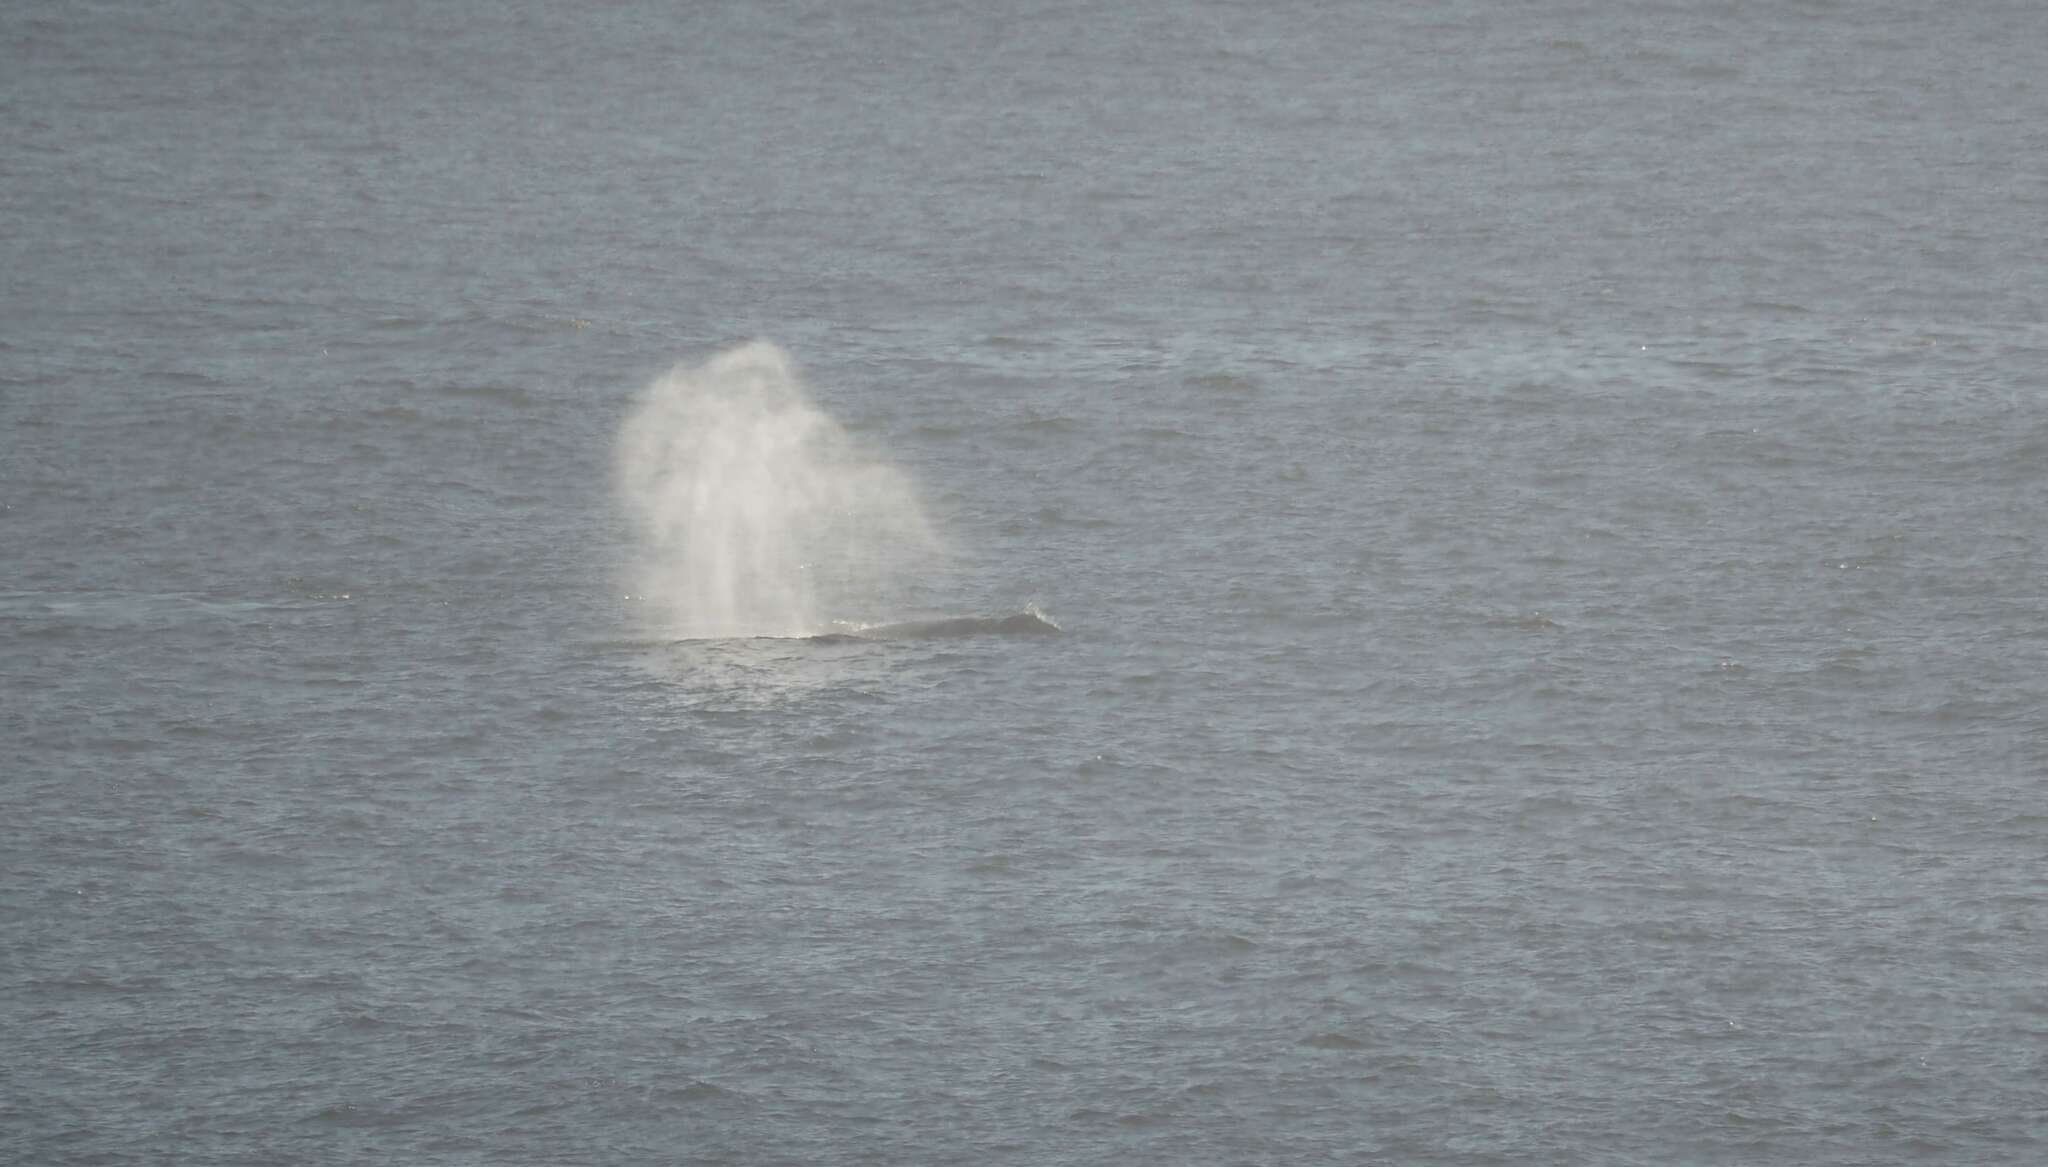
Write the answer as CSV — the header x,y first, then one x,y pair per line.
x,y
1054,423
1774,308
1524,622
1054,518
503,394
1224,382
1003,341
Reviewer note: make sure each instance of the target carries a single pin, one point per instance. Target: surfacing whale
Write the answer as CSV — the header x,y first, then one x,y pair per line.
x,y
1020,624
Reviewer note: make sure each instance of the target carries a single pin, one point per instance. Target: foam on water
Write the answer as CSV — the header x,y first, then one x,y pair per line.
x,y
757,513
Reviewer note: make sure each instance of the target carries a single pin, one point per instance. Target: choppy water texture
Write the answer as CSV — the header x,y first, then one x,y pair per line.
x,y
1544,507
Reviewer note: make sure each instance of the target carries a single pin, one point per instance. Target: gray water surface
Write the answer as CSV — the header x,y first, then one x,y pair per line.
x,y
1544,507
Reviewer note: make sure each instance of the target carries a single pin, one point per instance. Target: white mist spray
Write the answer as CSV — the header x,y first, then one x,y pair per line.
x,y
758,515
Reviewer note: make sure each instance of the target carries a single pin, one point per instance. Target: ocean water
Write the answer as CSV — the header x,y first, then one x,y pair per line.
x,y
528,535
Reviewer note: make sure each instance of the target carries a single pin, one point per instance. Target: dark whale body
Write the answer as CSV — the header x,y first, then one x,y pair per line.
x,y
1020,624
